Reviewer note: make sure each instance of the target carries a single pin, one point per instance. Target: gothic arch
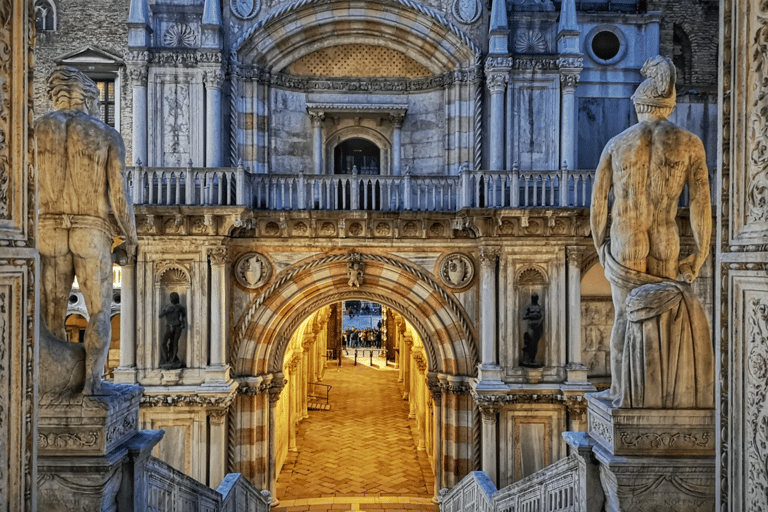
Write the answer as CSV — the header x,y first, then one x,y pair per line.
x,y
262,333
305,26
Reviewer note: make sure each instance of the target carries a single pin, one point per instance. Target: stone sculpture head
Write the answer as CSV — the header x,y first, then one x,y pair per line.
x,y
70,89
534,298
174,298
656,94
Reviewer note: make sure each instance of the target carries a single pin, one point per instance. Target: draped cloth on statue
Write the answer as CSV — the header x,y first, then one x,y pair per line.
x,y
668,360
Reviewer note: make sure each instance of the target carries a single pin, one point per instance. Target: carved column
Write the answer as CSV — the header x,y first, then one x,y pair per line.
x,y
570,69
219,296
274,396
126,372
405,360
497,85
576,370
317,119
293,406
489,459
437,396
213,79
137,71
217,446
490,372
397,143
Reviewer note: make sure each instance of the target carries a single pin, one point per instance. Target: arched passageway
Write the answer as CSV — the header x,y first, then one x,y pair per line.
x,y
263,335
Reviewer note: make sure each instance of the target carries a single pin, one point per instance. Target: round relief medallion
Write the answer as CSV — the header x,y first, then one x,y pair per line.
x,y
245,9
252,270
356,229
467,11
457,270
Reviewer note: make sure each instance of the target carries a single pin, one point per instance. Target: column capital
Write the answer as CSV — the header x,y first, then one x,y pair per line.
x,y
218,255
397,119
489,255
213,78
137,74
317,118
575,254
569,81
217,415
497,82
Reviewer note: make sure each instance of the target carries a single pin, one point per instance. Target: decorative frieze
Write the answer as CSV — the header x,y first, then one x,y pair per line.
x,y
196,400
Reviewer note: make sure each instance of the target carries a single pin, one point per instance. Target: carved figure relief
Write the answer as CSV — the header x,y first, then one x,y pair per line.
x,y
596,324
252,270
467,11
457,270
245,9
355,270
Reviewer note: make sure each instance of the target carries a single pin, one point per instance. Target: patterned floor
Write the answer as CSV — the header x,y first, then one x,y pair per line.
x,y
360,455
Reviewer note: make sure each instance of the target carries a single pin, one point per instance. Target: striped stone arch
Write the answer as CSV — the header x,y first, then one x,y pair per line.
x,y
305,26
262,334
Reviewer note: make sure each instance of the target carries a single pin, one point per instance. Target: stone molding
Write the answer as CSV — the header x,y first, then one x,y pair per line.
x,y
196,400
341,85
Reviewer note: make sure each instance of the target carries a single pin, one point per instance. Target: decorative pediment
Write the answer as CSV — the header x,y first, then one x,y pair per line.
x,y
90,59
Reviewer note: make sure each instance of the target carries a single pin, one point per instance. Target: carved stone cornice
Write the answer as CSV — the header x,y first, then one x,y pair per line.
x,y
498,64
137,57
209,57
175,58
535,64
174,400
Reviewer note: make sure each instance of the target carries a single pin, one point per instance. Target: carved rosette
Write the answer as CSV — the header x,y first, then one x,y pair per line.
x,y
457,270
252,270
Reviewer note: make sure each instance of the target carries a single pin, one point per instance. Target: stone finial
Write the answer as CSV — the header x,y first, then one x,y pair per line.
x,y
139,12
568,20
212,13
499,28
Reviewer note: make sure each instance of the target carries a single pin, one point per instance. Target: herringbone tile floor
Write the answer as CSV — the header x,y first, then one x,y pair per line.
x,y
361,454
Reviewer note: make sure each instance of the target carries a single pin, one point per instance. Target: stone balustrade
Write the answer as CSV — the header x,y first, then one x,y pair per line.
x,y
554,488
170,490
222,186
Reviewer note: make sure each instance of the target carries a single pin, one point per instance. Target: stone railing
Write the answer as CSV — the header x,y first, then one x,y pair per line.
x,y
554,488
223,186
170,490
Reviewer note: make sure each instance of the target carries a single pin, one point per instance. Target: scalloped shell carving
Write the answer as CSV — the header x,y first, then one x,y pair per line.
x,y
180,34
530,41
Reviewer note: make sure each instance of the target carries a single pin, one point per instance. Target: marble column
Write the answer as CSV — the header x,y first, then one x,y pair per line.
x,y
489,458
213,150
217,370
126,372
497,85
568,132
293,391
317,119
137,72
217,446
436,390
397,142
576,370
489,374
405,360
274,396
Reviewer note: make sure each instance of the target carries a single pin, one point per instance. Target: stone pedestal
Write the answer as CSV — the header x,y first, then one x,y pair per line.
x,y
649,459
90,453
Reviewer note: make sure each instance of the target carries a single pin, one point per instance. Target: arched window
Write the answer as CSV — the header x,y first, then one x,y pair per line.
x,y
357,152
45,15
682,54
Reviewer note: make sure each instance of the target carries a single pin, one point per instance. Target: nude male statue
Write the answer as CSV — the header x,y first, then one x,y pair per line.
x,y
175,321
81,165
647,167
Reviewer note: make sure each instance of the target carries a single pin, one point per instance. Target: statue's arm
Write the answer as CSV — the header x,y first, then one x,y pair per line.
x,y
598,215
701,214
122,206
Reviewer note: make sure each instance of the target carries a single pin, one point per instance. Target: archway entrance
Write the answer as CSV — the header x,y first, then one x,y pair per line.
x,y
358,153
360,425
263,338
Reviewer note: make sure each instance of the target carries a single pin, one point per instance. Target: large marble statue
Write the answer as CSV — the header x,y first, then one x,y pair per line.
x,y
661,352
81,174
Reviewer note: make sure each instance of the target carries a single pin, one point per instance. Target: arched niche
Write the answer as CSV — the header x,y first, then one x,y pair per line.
x,y
358,132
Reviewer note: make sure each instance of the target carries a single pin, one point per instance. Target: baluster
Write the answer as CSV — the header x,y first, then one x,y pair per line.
x,y
222,190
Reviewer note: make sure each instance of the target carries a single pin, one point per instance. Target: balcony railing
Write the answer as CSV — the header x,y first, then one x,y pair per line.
x,y
223,186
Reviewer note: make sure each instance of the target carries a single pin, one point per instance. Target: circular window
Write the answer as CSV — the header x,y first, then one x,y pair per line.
x,y
73,299
606,45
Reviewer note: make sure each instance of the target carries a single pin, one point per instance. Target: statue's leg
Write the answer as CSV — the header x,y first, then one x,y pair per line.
x,y
93,267
57,276
617,338
175,344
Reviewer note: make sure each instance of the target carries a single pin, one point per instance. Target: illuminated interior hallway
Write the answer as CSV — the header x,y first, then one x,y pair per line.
x,y
369,451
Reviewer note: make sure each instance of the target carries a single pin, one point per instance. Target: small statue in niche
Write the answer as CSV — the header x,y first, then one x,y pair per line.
x,y
355,273
175,321
534,315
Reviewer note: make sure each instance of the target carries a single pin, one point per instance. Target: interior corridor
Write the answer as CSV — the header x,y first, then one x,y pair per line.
x,y
361,454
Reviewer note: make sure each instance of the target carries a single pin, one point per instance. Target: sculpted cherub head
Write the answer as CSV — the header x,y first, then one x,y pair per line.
x,y
656,94
69,89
